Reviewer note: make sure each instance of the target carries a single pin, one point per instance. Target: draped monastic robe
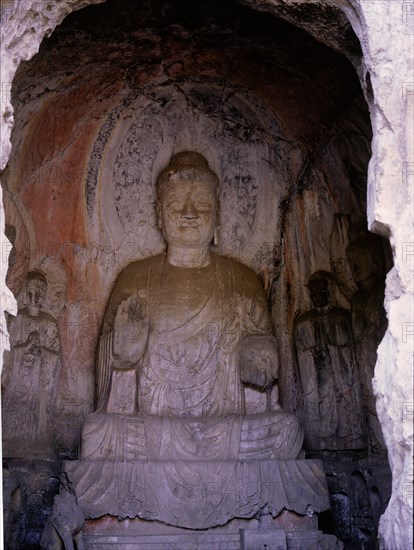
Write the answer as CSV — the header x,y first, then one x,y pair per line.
x,y
187,388
329,376
31,389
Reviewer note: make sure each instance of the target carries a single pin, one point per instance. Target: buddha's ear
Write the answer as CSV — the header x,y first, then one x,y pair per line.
x,y
216,238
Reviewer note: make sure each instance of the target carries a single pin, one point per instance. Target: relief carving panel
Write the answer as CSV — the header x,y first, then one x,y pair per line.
x,y
233,131
31,377
329,373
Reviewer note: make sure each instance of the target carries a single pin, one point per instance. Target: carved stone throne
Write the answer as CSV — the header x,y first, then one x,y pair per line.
x,y
194,503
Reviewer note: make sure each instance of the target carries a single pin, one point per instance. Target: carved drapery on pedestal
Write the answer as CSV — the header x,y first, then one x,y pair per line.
x,y
198,495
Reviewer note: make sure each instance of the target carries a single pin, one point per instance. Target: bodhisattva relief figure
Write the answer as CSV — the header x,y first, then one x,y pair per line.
x,y
333,409
184,333
29,384
369,322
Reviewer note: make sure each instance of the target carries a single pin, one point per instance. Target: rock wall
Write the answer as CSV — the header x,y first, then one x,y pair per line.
x,y
315,148
390,97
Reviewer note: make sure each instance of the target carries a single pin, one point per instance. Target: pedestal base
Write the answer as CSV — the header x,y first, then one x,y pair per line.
x,y
271,539
288,531
193,505
197,495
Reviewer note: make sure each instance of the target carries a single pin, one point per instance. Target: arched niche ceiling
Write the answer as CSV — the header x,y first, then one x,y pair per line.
x,y
117,89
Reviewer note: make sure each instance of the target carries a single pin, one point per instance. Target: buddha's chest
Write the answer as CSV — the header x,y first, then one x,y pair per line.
x,y
184,301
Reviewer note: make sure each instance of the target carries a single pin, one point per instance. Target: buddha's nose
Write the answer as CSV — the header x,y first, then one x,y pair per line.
x,y
189,210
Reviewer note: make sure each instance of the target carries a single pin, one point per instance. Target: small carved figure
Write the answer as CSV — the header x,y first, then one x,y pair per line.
x,y
65,523
369,320
30,381
332,400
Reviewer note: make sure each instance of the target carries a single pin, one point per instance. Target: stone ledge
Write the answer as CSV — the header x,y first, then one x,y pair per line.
x,y
228,537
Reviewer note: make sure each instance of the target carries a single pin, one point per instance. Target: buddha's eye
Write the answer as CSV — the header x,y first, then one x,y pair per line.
x,y
203,206
175,205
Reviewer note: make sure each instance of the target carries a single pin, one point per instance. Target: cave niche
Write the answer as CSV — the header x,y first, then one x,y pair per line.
x,y
111,95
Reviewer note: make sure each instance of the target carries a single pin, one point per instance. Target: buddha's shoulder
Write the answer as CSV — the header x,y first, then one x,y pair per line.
x,y
137,270
240,270
141,266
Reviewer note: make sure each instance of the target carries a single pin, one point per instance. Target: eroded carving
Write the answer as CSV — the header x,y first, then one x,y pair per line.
x,y
332,398
132,165
171,337
65,523
29,382
369,322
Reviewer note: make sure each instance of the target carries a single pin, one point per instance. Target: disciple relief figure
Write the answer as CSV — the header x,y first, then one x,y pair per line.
x,y
184,334
30,381
369,322
332,400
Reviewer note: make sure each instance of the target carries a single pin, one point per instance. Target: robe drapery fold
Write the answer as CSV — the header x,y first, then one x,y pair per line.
x,y
188,454
197,319
197,495
30,393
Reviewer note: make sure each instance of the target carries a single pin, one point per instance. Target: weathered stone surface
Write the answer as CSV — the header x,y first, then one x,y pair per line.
x,y
108,530
273,539
197,495
65,523
247,162
257,180
25,23
334,415
390,102
28,500
189,329
359,492
366,257
312,540
391,214
31,377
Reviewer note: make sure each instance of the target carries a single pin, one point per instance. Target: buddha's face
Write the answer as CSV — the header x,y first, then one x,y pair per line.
x,y
188,213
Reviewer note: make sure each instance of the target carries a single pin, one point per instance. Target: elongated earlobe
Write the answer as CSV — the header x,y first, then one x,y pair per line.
x,y
216,236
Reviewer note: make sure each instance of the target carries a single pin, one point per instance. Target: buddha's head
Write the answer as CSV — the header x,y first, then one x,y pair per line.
x,y
36,287
187,201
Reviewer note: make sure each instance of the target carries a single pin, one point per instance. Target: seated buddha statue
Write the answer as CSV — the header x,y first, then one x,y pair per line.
x,y
186,341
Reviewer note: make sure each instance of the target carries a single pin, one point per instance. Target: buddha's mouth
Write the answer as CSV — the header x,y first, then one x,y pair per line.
x,y
189,225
